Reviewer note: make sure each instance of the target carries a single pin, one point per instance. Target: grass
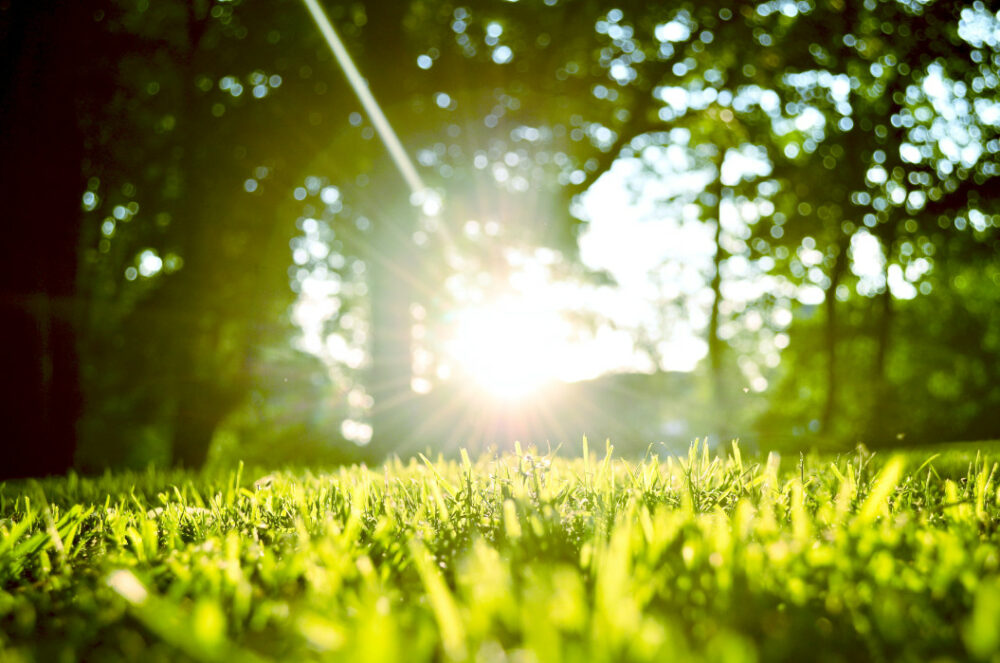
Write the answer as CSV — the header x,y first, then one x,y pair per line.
x,y
517,557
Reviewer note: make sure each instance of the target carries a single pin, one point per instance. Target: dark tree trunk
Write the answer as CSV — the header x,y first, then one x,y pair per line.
x,y
880,412
830,339
42,151
200,407
716,346
880,415
210,317
715,342
195,423
207,307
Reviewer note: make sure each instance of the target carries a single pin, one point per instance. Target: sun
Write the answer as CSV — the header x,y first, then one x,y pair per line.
x,y
508,348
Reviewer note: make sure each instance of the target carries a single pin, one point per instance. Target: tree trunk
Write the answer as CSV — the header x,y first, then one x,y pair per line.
x,y
716,346
392,264
879,426
41,186
204,301
715,342
880,416
392,270
830,339
200,407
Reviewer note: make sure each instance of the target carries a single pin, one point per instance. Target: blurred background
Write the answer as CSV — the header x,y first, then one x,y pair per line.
x,y
647,222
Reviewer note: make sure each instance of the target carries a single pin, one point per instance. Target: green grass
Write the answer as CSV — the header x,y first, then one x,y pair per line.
x,y
512,558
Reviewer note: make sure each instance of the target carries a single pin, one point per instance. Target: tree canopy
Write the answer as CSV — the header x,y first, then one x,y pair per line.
x,y
240,260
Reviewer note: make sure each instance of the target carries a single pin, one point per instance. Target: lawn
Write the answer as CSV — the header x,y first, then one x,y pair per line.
x,y
513,557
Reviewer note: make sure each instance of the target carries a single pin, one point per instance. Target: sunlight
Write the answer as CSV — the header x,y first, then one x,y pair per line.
x,y
510,349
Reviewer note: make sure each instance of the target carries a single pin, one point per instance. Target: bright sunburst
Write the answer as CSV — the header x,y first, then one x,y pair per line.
x,y
509,348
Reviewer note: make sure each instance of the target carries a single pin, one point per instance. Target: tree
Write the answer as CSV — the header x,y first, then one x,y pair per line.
x,y
214,133
497,111
167,202
866,150
187,251
41,146
854,141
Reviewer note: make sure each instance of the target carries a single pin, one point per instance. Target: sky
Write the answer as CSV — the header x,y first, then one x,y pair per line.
x,y
627,238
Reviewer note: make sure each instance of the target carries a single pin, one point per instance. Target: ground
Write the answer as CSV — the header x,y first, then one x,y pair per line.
x,y
711,556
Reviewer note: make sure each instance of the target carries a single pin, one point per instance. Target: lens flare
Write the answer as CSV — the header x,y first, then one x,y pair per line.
x,y
509,349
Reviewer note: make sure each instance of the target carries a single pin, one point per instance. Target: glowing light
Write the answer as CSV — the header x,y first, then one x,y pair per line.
x,y
150,264
356,432
330,195
502,54
509,349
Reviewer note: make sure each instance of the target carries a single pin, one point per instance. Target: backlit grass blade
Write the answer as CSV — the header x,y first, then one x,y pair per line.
x,y
448,618
876,503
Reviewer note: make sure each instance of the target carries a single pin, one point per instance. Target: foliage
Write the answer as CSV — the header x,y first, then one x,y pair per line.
x,y
703,557
235,135
939,392
229,170
857,111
